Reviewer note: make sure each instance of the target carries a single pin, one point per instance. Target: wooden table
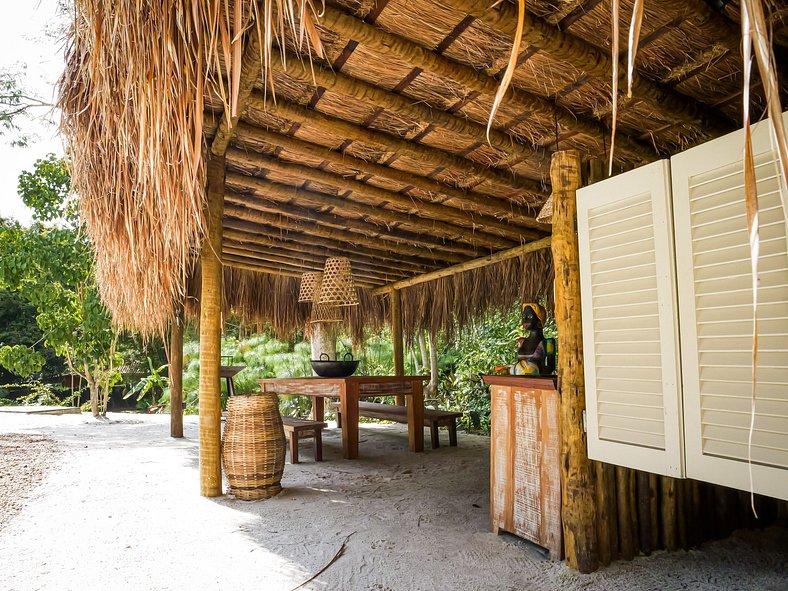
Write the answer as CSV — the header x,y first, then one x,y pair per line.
x,y
350,390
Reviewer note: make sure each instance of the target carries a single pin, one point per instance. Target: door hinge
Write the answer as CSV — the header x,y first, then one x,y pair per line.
x,y
585,422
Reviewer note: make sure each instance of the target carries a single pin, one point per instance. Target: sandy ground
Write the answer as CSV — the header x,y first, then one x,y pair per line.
x,y
121,510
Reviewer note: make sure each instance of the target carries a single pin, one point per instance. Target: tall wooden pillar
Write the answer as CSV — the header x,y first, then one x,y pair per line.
x,y
577,485
176,374
211,334
396,335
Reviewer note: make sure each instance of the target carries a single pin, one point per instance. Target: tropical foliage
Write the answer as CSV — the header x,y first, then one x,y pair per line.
x,y
50,266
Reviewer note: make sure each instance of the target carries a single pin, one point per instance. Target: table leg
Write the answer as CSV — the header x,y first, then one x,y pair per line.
x,y
318,408
230,387
416,418
348,400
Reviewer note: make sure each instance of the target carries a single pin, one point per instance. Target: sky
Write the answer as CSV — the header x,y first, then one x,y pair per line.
x,y
24,43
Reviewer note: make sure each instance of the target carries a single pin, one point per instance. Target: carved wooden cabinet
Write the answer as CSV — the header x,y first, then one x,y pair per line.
x,y
525,450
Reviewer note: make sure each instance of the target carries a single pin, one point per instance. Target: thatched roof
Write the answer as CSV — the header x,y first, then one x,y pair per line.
x,y
379,152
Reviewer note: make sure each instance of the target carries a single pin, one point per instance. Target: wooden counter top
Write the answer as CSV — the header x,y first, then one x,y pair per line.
x,y
537,383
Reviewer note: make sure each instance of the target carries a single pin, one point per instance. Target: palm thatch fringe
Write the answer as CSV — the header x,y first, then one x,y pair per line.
x,y
270,301
444,305
132,98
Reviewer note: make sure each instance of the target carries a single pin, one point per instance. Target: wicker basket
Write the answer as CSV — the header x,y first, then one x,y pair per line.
x,y
253,451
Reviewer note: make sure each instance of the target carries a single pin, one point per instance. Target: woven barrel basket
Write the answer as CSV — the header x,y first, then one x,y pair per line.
x,y
253,450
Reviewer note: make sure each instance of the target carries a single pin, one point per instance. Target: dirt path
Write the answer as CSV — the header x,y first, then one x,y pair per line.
x,y
122,511
24,461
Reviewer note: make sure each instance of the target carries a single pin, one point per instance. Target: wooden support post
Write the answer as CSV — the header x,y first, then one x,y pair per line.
x,y
625,538
210,334
579,509
603,516
176,374
644,512
396,335
669,534
653,495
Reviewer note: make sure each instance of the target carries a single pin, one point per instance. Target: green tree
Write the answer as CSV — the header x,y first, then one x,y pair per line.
x,y
16,103
50,265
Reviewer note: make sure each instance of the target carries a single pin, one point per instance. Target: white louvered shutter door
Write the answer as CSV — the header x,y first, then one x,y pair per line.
x,y
629,321
715,301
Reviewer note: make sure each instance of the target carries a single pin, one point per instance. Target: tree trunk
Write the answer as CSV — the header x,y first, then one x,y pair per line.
x,y
94,395
432,388
425,358
396,335
105,397
324,340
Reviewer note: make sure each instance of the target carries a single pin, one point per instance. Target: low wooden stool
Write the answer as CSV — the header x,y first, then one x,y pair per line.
x,y
298,429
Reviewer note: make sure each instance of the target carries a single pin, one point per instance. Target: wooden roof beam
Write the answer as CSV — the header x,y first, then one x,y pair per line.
x,y
590,59
364,192
238,247
370,94
262,237
285,207
341,236
270,257
249,137
427,60
466,266
271,268
432,158
285,193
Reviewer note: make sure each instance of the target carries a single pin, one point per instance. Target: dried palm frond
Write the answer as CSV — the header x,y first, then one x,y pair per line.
x,y
511,66
132,103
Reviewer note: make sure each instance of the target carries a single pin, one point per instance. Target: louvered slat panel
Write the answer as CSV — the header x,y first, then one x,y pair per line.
x,y
629,328
715,301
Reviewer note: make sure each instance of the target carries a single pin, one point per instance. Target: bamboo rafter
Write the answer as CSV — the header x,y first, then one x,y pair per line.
x,y
269,203
467,266
431,157
425,60
587,58
369,193
249,137
316,238
284,223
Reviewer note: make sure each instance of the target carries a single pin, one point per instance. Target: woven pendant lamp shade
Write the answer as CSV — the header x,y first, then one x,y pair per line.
x,y
325,313
546,213
310,287
338,288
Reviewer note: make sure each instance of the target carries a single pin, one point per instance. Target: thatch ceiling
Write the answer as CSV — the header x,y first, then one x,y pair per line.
x,y
381,153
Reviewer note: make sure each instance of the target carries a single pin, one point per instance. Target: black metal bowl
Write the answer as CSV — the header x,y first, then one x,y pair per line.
x,y
334,369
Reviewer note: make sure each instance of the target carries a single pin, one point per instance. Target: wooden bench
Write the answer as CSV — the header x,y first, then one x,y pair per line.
x,y
434,419
298,429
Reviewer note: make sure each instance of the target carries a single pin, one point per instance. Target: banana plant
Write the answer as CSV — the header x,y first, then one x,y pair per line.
x,y
155,383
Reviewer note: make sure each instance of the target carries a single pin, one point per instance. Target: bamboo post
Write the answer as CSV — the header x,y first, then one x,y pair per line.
x,y
578,506
396,335
176,374
210,334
